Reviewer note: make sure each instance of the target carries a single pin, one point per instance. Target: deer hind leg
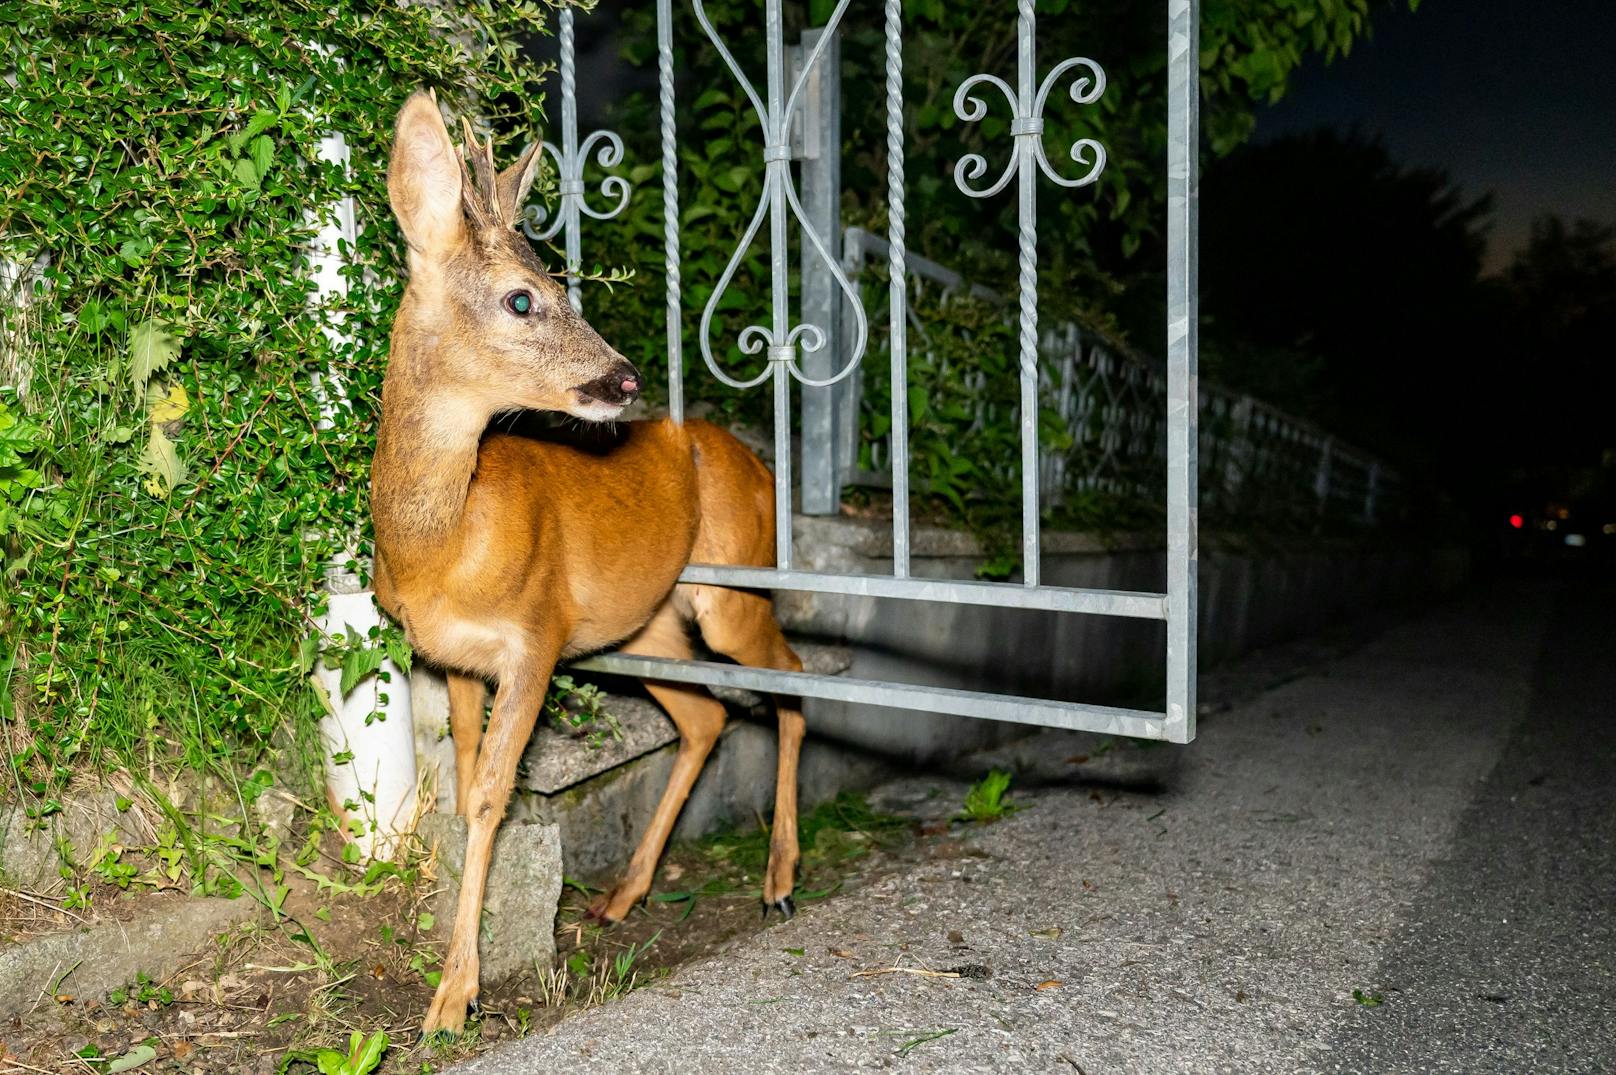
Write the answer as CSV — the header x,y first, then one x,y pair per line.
x,y
466,697
516,708
699,717
742,627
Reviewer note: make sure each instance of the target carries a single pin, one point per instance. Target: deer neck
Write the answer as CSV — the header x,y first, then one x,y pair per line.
x,y
426,454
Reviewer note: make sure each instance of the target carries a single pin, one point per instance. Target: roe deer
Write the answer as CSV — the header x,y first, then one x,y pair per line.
x,y
499,554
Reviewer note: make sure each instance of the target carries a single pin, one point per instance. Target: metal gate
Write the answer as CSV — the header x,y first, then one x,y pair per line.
x,y
800,352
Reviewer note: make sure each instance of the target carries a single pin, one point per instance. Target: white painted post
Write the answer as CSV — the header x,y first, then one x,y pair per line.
x,y
371,728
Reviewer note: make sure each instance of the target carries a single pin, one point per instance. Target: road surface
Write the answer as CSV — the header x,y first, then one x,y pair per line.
x,y
1402,860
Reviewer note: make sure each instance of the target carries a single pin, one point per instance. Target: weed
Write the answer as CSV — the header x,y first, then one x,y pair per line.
x,y
143,991
364,1056
1368,1000
623,977
106,862
555,983
421,963
830,834
582,888
985,801
579,710
922,1038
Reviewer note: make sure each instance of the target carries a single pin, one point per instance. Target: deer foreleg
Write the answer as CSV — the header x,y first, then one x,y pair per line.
x,y
516,709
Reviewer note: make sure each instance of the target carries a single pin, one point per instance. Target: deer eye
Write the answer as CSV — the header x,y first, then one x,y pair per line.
x,y
519,303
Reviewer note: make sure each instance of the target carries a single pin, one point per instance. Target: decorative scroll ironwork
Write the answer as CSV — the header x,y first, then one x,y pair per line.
x,y
570,160
779,339
1027,126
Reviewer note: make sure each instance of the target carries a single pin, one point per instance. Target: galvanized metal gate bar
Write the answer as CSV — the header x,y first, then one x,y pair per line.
x,y
1045,712
1183,400
1126,603
781,341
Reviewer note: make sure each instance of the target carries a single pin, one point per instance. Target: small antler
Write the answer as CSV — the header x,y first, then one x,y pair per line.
x,y
481,193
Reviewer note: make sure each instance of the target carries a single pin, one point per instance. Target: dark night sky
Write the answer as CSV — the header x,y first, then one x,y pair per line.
x,y
1513,96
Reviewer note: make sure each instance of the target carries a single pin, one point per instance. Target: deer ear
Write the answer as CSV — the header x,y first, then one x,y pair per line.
x,y
424,178
514,182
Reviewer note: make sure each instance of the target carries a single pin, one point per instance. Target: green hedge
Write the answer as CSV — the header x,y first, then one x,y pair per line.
x,y
167,499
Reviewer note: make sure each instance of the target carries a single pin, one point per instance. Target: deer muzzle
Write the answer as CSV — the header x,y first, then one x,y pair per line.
x,y
619,388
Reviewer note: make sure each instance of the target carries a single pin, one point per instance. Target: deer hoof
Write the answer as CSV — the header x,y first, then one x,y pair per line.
x,y
446,1016
785,905
600,911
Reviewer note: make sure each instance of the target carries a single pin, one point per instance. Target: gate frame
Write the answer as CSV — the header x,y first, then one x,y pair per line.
x,y
1176,607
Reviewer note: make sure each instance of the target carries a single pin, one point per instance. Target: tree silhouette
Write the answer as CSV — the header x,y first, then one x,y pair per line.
x,y
1340,282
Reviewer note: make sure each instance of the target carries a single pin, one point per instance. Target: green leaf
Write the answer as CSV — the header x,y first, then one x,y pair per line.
x,y
365,1059
152,346
985,800
134,1058
95,317
134,251
247,173
398,649
357,663
261,122
263,152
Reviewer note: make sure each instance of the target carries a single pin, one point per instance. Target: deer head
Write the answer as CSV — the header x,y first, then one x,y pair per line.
x,y
494,329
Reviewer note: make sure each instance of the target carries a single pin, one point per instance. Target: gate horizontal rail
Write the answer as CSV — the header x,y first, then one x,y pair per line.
x,y
1015,708
1127,603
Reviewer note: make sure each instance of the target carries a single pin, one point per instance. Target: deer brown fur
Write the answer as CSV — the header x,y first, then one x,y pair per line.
x,y
500,554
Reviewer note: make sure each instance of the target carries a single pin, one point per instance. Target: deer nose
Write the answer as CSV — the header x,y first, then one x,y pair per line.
x,y
620,386
628,381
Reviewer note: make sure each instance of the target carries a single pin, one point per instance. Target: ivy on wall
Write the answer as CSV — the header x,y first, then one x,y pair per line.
x,y
169,496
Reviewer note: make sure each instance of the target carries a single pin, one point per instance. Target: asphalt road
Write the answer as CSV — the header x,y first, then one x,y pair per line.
x,y
1401,860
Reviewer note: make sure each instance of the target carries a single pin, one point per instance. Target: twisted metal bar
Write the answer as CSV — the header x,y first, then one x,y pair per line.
x,y
670,207
1027,286
778,200
571,189
897,289
1027,160
569,161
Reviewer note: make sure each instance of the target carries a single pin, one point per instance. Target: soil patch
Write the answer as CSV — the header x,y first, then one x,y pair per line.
x,y
266,996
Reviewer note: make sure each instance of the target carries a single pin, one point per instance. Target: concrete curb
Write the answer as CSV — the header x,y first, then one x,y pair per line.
x,y
92,962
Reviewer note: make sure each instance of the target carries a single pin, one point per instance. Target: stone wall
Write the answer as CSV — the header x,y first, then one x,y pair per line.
x,y
1249,598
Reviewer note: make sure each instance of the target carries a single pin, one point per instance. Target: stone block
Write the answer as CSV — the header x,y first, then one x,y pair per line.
x,y
519,904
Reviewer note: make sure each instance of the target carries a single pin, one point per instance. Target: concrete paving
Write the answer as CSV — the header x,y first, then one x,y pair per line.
x,y
1425,822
